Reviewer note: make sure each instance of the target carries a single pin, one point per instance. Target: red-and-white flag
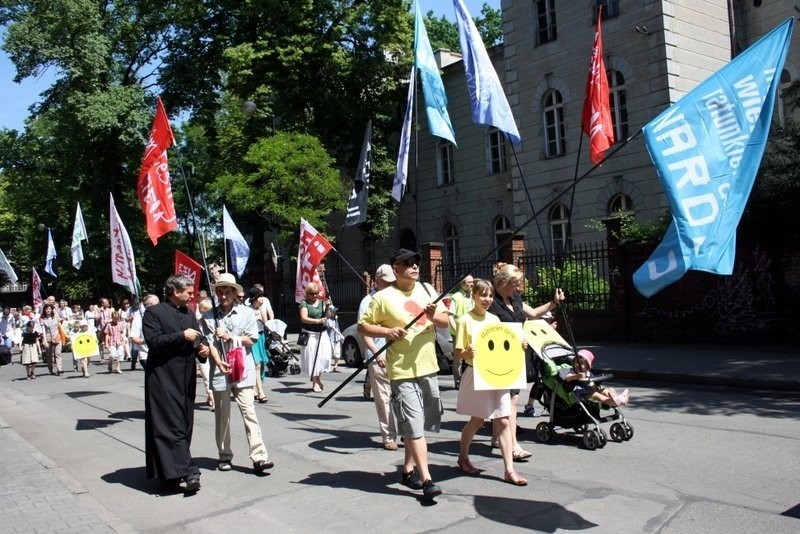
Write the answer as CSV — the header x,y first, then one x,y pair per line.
x,y
184,264
596,116
153,187
36,289
123,268
313,248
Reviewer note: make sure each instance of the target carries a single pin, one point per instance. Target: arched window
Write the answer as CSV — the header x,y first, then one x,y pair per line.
x,y
553,118
502,229
786,82
408,239
619,104
450,245
620,203
560,230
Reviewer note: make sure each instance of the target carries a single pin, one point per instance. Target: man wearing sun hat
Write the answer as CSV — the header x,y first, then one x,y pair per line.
x,y
234,324
410,361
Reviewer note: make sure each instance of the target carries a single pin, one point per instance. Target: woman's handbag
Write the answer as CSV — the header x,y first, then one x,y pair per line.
x,y
302,339
235,358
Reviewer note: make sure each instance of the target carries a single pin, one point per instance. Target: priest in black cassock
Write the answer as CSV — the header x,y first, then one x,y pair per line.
x,y
174,340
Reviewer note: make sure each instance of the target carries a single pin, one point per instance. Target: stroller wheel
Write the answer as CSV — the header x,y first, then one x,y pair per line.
x,y
591,439
617,432
544,432
628,431
603,437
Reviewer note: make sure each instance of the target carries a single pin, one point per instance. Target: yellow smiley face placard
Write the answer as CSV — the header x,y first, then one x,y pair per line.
x,y
84,345
499,361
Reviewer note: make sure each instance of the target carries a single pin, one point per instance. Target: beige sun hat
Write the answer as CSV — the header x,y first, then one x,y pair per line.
x,y
227,280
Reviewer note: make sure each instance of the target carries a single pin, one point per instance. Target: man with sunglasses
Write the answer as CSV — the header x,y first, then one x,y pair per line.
x,y
410,361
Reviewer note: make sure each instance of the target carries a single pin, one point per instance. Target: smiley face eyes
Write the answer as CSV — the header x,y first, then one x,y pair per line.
x,y
506,345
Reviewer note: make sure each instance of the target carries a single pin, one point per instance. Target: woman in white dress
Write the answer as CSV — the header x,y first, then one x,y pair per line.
x,y
481,405
315,357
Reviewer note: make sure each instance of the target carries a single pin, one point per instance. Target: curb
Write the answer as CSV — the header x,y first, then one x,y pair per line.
x,y
706,380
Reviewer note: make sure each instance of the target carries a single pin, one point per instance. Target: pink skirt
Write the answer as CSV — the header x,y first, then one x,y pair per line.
x,y
490,404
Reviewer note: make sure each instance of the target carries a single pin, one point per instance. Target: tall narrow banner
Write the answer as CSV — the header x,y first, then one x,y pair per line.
x,y
707,148
313,248
123,268
51,254
432,87
36,289
78,235
357,203
153,187
5,267
401,170
596,116
489,102
184,264
240,250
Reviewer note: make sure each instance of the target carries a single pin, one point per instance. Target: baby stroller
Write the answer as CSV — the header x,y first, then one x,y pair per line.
x,y
566,409
281,356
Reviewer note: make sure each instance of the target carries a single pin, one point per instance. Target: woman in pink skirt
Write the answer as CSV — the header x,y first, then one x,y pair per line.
x,y
482,405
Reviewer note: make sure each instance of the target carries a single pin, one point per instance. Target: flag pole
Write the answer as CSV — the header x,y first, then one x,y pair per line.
x,y
477,264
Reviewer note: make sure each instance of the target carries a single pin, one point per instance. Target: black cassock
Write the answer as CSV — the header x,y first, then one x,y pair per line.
x,y
169,391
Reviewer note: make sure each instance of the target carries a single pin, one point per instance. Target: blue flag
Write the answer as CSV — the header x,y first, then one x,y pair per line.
x,y
707,148
432,86
401,171
240,251
489,103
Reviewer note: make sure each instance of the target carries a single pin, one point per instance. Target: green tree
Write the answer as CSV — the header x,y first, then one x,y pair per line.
x,y
443,33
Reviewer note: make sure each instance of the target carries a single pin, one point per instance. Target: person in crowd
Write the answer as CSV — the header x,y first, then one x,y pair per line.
x,y
379,382
7,328
266,305
410,361
578,376
259,350
102,318
51,337
126,312
234,325
460,303
31,349
115,340
509,307
315,356
204,306
334,335
481,405
174,341
64,312
77,312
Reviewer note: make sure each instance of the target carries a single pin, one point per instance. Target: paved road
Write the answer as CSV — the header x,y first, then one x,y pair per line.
x,y
74,457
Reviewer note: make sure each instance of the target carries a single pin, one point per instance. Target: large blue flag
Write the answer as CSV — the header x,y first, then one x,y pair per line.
x,y
489,103
707,148
432,86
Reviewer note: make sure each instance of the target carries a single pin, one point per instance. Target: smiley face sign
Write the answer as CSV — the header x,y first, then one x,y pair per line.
x,y
500,359
84,345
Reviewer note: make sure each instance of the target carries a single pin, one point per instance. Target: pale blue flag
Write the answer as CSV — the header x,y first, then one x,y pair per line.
x,y
240,251
51,254
432,86
707,148
78,235
5,267
401,171
489,103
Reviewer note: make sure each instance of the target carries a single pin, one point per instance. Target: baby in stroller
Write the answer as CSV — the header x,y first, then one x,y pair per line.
x,y
578,378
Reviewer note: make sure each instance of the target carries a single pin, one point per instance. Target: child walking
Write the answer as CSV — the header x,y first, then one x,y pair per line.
x,y
115,340
481,405
31,349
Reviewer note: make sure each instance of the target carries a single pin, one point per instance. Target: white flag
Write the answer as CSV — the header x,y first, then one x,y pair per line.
x,y
123,269
401,171
5,266
78,235
240,252
51,254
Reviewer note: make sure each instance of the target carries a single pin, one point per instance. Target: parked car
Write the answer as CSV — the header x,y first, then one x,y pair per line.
x,y
353,348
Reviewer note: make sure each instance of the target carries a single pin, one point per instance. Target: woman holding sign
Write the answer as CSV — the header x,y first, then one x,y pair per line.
x,y
494,404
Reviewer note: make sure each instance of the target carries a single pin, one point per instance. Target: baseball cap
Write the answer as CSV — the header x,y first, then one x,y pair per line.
x,y
385,273
403,254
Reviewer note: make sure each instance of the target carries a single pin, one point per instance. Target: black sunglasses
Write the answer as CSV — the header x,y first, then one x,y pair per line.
x,y
409,262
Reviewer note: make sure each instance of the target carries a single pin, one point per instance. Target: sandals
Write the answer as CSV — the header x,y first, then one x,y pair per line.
x,y
520,454
466,466
513,477
263,399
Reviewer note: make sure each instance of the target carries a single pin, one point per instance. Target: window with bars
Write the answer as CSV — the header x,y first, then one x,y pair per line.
x,y
553,119
545,13
620,203
560,228
619,104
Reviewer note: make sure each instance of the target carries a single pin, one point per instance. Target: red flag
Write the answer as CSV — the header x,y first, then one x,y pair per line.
x,y
153,187
596,116
36,289
186,265
313,248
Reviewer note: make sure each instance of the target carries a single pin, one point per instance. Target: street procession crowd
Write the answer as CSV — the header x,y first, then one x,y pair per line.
x,y
224,338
